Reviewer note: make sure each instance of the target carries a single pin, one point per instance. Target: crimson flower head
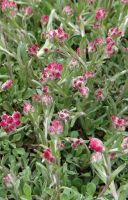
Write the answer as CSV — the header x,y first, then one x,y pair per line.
x,y
96,145
55,127
124,1
63,114
114,32
96,157
47,100
10,122
47,155
27,108
58,34
27,10
124,144
100,14
6,85
67,10
91,46
119,123
10,5
99,94
75,142
32,51
52,71
8,180
88,74
36,97
44,19
83,51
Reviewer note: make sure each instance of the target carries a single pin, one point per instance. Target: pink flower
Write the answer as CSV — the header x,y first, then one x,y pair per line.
x,y
75,142
96,157
52,71
96,145
88,74
47,155
6,85
100,14
45,49
63,115
10,122
98,40
83,51
16,115
73,63
91,47
27,108
36,97
27,10
47,100
84,91
55,127
32,51
110,44
112,156
78,20
124,1
99,94
44,89
119,123
44,19
8,180
78,82
57,34
124,144
114,32
90,2
68,10
11,6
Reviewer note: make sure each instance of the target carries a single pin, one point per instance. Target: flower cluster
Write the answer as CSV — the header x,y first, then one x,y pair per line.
x,y
124,144
78,84
32,51
83,51
27,10
55,127
96,157
47,100
124,1
119,123
90,2
63,115
27,108
44,19
10,122
110,43
100,14
96,145
93,43
52,71
57,34
67,10
36,97
99,94
75,142
47,155
6,85
113,32
8,180
88,74
10,5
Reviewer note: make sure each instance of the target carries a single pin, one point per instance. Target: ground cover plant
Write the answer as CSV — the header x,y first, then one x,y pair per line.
x,y
63,100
